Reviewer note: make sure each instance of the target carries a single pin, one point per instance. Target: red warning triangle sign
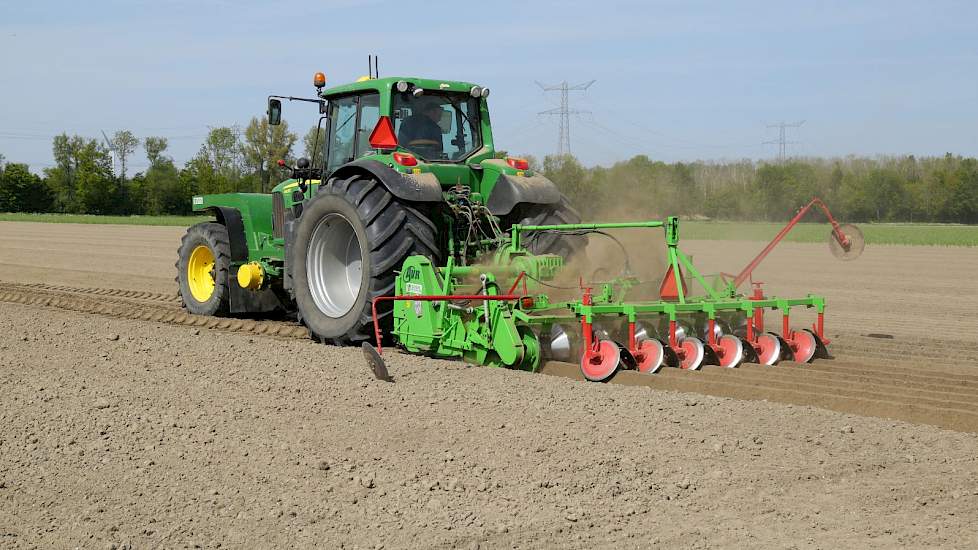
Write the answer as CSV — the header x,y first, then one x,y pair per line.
x,y
668,289
383,135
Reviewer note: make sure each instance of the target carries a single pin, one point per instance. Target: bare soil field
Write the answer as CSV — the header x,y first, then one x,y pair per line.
x,y
126,422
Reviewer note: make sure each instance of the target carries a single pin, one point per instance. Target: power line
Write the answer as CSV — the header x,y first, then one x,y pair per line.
x,y
564,111
782,141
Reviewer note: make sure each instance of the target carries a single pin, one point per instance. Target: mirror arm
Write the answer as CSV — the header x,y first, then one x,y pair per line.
x,y
320,102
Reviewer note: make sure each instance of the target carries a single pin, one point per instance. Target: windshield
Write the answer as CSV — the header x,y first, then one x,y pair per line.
x,y
437,126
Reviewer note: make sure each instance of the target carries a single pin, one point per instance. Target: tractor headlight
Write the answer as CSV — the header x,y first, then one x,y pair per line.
x,y
418,92
485,92
476,91
402,86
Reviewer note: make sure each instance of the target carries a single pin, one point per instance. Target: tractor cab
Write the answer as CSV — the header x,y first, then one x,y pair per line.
x,y
419,137
438,126
413,125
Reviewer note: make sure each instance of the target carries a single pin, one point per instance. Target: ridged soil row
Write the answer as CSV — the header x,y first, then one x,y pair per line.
x,y
799,386
170,299
136,310
943,396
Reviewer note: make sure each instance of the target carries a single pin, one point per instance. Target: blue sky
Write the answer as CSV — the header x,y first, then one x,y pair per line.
x,y
676,80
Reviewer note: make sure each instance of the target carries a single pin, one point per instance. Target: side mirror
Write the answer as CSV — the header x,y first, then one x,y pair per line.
x,y
274,112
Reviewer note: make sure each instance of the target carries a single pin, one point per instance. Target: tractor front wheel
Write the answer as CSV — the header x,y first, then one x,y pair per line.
x,y
204,258
349,240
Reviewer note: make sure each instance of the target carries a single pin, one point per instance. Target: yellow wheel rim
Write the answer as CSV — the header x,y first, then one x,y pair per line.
x,y
199,273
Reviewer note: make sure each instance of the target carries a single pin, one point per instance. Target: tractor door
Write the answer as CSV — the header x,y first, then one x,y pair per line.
x,y
352,119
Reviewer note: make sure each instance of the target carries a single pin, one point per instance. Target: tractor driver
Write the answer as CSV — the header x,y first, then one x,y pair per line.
x,y
422,130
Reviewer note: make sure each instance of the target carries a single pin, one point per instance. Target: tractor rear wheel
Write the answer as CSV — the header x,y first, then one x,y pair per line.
x,y
349,240
203,262
566,245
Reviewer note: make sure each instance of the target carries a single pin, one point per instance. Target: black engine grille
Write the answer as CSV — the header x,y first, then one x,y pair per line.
x,y
278,215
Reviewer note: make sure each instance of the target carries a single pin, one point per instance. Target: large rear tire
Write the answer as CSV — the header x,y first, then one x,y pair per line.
x,y
203,262
350,239
566,245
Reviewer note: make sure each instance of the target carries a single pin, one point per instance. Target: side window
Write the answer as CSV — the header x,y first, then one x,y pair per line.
x,y
342,131
369,115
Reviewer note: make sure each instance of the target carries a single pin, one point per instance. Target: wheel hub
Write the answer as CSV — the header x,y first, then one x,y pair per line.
x,y
334,265
200,273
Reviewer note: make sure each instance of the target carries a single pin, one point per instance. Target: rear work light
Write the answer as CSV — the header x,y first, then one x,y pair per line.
x,y
518,164
405,159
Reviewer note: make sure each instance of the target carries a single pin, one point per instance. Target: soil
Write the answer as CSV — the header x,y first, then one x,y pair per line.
x,y
127,423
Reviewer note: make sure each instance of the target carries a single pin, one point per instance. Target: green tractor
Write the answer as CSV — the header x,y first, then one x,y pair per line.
x,y
408,168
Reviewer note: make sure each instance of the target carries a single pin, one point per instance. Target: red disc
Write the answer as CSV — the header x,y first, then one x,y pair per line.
x,y
693,353
803,343
769,349
652,356
733,351
600,366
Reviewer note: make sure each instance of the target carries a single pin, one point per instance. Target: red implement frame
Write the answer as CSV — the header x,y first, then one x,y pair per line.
x,y
836,230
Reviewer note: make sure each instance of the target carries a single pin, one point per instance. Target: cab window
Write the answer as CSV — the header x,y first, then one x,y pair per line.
x,y
439,126
369,115
352,119
342,131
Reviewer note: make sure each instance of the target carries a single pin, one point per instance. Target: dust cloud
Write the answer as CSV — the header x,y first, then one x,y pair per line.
x,y
635,252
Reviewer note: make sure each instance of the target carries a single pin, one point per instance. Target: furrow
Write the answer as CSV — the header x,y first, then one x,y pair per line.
x,y
139,311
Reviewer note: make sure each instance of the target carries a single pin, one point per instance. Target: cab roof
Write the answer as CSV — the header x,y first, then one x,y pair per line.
x,y
387,83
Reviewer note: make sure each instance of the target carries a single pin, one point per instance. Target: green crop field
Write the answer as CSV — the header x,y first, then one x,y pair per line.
x,y
883,233
875,233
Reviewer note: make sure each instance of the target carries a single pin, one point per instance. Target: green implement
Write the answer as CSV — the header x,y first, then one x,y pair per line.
x,y
518,326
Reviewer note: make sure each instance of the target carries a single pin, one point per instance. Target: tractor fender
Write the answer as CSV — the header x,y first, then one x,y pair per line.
x,y
230,218
408,187
511,190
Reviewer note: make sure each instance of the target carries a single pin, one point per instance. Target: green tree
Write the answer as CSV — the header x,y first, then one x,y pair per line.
x,y
965,191
81,179
155,147
264,145
98,190
219,165
124,142
22,191
313,149
62,177
570,176
222,149
161,190
166,193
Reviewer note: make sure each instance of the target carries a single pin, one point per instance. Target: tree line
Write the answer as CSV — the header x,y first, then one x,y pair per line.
x,y
882,189
84,180
859,189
